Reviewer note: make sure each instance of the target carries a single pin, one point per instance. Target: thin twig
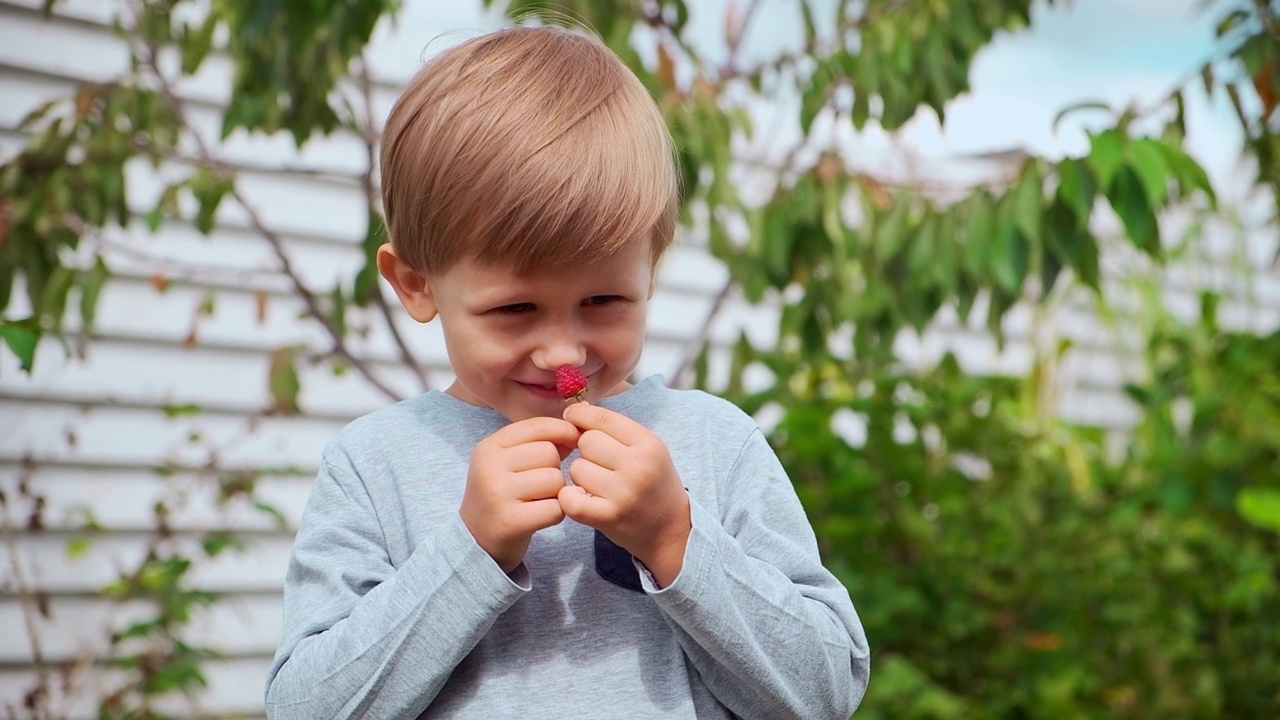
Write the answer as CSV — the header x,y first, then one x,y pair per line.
x,y
694,344
368,133
843,28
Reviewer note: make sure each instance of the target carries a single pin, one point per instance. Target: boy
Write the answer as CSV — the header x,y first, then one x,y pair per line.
x,y
444,566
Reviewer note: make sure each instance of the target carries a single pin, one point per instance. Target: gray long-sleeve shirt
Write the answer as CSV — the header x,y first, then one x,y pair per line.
x,y
391,610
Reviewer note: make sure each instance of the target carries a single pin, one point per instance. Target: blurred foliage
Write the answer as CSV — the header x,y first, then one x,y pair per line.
x,y
1007,564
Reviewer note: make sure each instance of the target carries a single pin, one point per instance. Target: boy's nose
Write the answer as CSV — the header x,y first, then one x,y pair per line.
x,y
559,346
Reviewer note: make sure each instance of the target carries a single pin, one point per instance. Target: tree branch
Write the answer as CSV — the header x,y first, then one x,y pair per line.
x,y
694,345
30,602
149,57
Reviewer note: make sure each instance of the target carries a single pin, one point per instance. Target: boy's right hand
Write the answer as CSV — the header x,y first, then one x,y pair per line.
x,y
513,486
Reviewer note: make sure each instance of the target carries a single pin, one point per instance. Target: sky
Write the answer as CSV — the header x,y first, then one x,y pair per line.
x,y
1116,51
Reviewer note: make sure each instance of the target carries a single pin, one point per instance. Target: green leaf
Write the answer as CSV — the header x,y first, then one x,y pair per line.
x,y
77,547
57,288
1129,200
861,110
216,543
167,205
1077,188
1027,201
366,285
890,232
1009,250
1070,109
366,282
1151,168
21,336
810,28
208,189
196,43
283,382
181,410
1260,507
273,512
38,113
1189,174
91,284
815,96
338,310
979,233
776,245
1106,155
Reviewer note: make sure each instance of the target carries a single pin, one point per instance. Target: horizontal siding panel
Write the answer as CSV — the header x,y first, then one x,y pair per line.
x,y
235,691
234,257
118,436
123,500
95,12
689,268
258,569
84,51
238,626
246,320
1099,370
284,203
169,376
1099,408
23,92
978,355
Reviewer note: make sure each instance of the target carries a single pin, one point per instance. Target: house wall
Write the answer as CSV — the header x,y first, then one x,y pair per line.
x,y
89,429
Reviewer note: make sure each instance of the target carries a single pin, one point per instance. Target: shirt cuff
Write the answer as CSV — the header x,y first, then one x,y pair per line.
x,y
477,569
700,554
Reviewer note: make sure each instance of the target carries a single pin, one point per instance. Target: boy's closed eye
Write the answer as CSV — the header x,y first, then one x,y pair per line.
x,y
514,309
523,308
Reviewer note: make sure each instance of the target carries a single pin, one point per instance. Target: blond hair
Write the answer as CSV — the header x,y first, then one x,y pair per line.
x,y
535,149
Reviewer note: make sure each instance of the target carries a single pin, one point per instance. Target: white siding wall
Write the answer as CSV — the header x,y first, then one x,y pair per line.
x,y
85,430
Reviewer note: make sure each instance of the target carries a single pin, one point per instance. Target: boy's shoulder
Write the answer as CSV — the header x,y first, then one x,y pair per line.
x,y
652,403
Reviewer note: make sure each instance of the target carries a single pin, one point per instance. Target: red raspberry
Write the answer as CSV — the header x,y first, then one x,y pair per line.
x,y
571,383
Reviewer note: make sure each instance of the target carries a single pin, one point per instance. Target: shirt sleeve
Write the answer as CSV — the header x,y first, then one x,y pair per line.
x,y
771,632
363,638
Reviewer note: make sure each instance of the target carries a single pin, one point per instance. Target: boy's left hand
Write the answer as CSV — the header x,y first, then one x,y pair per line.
x,y
627,487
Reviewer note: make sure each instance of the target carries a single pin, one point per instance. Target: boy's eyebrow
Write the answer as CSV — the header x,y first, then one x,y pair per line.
x,y
496,298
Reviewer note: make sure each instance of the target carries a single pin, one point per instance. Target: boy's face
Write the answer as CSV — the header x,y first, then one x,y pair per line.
x,y
507,334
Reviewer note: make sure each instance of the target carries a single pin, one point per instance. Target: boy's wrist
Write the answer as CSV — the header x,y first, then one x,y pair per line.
x,y
665,560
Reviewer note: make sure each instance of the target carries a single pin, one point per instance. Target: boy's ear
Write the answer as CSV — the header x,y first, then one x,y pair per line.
x,y
411,287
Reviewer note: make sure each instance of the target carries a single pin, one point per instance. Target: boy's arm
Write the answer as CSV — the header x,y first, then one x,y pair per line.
x,y
362,638
771,632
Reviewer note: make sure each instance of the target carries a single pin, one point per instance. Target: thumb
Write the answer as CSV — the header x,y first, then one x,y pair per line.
x,y
577,503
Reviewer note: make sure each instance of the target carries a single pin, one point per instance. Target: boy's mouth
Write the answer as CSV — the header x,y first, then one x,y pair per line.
x,y
542,391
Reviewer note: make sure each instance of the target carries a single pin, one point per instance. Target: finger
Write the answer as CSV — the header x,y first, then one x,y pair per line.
x,y
593,478
536,484
542,514
581,506
602,449
532,455
615,424
534,429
